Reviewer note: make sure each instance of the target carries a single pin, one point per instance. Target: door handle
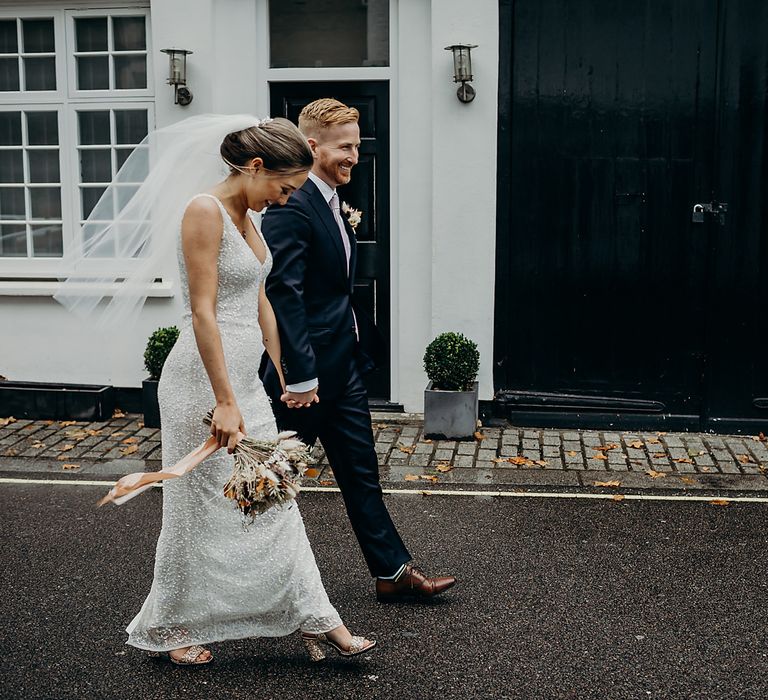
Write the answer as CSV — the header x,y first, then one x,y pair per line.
x,y
715,208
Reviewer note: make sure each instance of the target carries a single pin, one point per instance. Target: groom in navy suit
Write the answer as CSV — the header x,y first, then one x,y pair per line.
x,y
323,345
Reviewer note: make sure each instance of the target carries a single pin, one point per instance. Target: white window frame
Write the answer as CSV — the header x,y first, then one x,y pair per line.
x,y
67,101
74,93
14,98
40,265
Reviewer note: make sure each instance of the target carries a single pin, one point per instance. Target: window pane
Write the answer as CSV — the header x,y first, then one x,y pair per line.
x,y
11,166
105,248
95,166
94,127
139,166
130,72
45,202
13,241
130,125
124,195
9,74
40,73
44,166
90,195
10,128
47,240
91,34
329,33
130,33
93,73
9,42
42,128
37,35
12,203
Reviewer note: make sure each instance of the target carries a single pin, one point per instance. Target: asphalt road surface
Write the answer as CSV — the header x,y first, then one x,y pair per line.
x,y
557,598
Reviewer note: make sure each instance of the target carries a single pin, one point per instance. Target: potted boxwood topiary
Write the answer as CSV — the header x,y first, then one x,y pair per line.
x,y
159,345
450,400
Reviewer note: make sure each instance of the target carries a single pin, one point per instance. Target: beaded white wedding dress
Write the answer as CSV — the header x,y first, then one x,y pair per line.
x,y
214,579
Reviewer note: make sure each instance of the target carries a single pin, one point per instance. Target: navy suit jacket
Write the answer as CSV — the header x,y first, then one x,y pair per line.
x,y
311,293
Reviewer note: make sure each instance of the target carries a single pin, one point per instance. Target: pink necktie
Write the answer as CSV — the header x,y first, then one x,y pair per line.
x,y
334,203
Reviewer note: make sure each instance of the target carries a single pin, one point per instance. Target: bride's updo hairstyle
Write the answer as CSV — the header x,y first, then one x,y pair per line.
x,y
276,141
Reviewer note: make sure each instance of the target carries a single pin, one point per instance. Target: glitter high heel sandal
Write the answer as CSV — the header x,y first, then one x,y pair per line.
x,y
358,645
189,658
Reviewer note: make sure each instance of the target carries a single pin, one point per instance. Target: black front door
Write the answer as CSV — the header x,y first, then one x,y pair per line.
x,y
368,191
613,124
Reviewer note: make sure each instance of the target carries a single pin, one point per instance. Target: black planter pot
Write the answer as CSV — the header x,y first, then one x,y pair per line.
x,y
149,403
450,414
43,401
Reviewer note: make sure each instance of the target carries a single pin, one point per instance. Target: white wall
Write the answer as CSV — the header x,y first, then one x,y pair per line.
x,y
443,187
446,164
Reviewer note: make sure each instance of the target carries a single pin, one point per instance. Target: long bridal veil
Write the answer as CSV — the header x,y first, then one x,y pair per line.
x,y
130,236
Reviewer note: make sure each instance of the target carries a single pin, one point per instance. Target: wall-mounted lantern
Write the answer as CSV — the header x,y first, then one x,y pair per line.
x,y
177,75
462,70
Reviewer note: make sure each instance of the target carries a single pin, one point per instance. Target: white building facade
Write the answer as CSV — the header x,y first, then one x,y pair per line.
x,y
81,83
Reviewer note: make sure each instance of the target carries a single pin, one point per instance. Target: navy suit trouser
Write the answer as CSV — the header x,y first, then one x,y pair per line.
x,y
343,426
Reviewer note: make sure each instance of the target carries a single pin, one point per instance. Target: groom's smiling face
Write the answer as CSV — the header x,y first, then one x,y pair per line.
x,y
336,151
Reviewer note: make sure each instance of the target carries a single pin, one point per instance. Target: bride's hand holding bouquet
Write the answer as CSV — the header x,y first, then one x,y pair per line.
x,y
227,425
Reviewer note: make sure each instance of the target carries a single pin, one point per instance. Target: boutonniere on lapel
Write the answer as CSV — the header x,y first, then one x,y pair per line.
x,y
354,216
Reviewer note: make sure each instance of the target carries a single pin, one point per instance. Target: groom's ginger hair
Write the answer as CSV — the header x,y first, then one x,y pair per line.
x,y
324,113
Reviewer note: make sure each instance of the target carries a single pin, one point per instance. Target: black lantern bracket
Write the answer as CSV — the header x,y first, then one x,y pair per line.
x,y
177,75
462,70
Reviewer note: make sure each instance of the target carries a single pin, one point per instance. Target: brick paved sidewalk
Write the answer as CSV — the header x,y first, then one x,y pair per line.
x,y
498,455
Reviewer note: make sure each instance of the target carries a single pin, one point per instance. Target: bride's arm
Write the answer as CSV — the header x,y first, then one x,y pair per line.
x,y
270,333
201,232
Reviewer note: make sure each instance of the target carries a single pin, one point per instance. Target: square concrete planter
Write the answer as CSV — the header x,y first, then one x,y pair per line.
x,y
450,414
40,400
149,404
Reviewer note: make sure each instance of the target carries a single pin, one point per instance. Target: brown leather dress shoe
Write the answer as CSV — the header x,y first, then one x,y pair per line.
x,y
411,584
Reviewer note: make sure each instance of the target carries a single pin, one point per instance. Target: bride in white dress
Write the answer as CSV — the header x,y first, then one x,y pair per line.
x,y
215,580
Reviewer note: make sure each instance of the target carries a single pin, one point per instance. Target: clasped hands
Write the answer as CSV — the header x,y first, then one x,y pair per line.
x,y
304,399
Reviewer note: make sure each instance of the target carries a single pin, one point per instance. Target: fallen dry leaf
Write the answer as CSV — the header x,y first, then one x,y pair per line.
x,y
7,421
719,502
37,445
443,468
744,459
706,469
660,433
653,441
683,460
479,436
605,448
130,449
129,441
407,450
411,477
93,433
70,466
427,442
66,448
613,483
76,434
381,426
65,423
312,473
327,482
118,414
572,453
139,425
600,456
63,458
618,497
656,475
117,433
637,444
687,480
541,462
659,455
518,460
429,477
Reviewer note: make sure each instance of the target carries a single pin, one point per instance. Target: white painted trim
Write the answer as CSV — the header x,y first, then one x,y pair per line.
x,y
41,288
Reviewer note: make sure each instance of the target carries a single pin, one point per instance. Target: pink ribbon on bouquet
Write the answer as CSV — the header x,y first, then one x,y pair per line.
x,y
132,485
